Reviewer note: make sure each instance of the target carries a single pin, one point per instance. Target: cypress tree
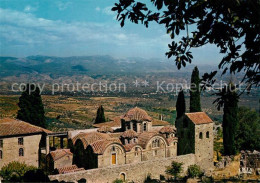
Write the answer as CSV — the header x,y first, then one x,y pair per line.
x,y
31,107
100,118
195,91
229,98
230,120
180,104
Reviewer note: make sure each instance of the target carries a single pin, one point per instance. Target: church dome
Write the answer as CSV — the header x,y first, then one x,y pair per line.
x,y
168,129
129,134
136,114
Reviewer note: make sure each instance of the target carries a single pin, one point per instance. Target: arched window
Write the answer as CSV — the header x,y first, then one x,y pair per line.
x,y
156,143
1,154
134,127
201,135
207,134
127,126
122,177
136,151
21,153
20,141
145,127
113,148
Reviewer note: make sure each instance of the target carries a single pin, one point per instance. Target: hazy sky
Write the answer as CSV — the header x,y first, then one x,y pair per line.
x,y
78,28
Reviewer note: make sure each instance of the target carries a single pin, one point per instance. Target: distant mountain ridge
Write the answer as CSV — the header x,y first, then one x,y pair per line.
x,y
86,65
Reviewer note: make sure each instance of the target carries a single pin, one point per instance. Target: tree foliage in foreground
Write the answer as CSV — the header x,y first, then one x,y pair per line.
x,y
233,26
14,171
31,107
248,133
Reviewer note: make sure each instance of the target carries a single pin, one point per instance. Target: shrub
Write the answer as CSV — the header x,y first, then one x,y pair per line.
x,y
118,181
14,171
35,176
175,169
150,180
194,171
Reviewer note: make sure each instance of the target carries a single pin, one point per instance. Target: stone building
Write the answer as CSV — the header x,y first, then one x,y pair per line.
x,y
59,158
195,134
138,148
137,141
21,141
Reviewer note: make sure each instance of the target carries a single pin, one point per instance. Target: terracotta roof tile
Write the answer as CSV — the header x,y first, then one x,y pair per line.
x,y
115,135
88,138
129,134
128,147
115,123
168,129
199,118
137,114
59,153
157,122
11,127
69,169
105,129
100,146
144,137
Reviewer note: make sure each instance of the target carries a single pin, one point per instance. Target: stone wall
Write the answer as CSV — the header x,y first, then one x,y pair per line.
x,y
204,145
30,146
136,172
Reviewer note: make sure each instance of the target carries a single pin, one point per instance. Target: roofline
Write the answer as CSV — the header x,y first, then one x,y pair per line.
x,y
23,134
135,146
185,114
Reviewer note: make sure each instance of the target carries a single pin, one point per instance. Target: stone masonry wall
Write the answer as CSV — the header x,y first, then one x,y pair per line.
x,y
136,172
31,150
204,146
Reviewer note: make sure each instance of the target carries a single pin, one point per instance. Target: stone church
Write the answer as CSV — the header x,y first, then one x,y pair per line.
x,y
137,140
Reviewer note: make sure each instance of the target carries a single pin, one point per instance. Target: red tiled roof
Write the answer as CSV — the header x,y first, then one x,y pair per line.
x,y
157,122
144,137
100,146
128,147
115,135
137,114
88,138
199,118
129,134
115,123
168,129
105,129
69,169
59,153
12,127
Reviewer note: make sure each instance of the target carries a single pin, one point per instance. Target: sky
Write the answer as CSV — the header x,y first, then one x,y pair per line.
x,y
80,28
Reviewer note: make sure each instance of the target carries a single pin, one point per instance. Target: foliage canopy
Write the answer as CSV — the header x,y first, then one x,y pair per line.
x,y
233,26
